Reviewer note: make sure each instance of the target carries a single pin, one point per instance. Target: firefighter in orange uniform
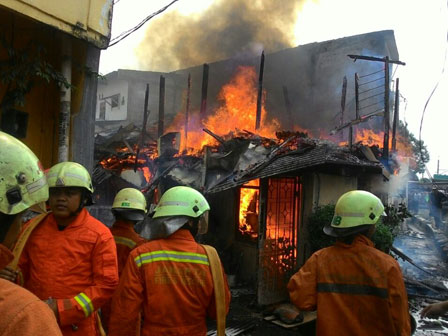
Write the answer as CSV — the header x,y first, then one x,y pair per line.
x,y
356,289
169,277
22,185
129,208
70,259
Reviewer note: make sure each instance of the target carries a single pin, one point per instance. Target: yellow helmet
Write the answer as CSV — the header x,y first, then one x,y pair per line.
x,y
130,203
354,211
22,180
181,201
69,174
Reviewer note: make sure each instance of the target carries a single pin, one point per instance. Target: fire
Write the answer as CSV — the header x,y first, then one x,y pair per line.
x,y
404,150
369,137
237,113
147,174
248,215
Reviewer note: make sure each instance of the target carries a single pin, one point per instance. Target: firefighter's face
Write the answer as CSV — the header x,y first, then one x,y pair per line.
x,y
64,201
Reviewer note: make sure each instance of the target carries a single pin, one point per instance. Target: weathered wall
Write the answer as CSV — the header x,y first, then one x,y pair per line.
x,y
88,20
136,85
331,187
42,103
312,73
104,94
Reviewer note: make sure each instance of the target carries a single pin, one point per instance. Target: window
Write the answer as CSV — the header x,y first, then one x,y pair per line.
x,y
115,100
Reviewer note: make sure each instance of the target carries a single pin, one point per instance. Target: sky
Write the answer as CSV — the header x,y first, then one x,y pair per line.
x,y
420,28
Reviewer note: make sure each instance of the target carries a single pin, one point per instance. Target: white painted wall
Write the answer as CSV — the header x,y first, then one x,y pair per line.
x,y
104,95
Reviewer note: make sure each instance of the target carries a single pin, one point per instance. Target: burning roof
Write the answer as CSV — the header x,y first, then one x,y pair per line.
x,y
242,158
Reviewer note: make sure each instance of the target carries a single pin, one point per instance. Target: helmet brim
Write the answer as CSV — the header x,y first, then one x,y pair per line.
x,y
344,232
132,215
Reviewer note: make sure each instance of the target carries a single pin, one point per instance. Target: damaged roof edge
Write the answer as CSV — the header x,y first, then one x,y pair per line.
x,y
91,22
315,158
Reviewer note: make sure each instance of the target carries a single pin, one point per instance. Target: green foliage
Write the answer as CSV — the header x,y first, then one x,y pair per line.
x,y
420,151
22,68
383,238
316,222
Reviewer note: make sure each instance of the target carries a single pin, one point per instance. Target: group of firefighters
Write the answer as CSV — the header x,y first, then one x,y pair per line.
x,y
65,272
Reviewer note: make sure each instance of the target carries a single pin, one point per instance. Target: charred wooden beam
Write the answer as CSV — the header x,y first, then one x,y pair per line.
x,y
145,120
161,106
371,58
406,258
260,93
204,91
343,98
187,111
396,114
386,109
357,121
217,137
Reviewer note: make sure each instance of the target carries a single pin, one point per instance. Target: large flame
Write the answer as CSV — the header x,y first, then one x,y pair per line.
x,y
248,213
237,113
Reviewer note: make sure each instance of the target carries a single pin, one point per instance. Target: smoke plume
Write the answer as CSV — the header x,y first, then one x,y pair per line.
x,y
226,29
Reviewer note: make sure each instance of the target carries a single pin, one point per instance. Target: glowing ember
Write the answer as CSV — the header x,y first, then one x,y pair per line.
x,y
248,215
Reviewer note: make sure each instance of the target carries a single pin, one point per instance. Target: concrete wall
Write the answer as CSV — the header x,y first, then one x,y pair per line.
x,y
133,85
106,95
331,187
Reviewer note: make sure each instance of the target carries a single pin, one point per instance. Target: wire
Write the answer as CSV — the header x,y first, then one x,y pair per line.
x,y
430,96
128,32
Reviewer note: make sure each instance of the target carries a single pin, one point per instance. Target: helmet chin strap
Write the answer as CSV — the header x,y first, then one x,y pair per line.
x,y
81,205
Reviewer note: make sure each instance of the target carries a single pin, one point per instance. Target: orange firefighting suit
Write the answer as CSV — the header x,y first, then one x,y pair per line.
x,y
357,290
171,280
22,313
76,266
126,239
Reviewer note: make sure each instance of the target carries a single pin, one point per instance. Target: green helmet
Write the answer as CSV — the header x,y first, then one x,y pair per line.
x,y
69,174
130,204
354,211
22,182
181,201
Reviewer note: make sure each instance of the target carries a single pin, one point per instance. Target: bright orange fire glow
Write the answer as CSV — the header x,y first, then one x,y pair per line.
x,y
369,137
147,174
248,216
120,164
237,113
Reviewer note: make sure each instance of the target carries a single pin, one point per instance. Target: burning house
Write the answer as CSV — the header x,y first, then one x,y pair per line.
x,y
264,159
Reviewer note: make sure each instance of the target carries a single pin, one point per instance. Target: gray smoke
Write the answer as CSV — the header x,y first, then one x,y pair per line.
x,y
225,29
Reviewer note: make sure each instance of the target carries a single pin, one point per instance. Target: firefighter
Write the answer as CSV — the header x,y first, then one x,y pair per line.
x,y
355,288
128,208
70,258
169,277
22,185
